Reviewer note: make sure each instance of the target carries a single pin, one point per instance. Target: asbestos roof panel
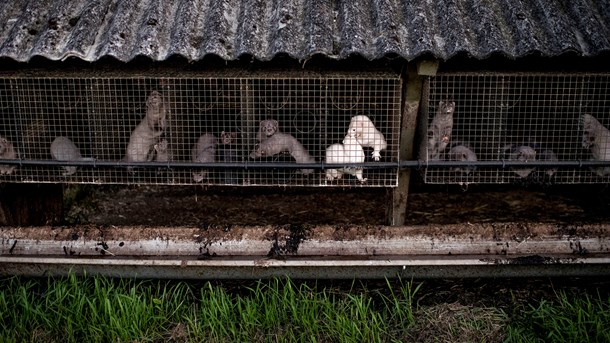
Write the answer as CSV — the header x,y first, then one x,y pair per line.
x,y
158,29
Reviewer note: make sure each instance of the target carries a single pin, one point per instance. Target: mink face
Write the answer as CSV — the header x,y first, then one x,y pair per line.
x,y
228,138
267,128
156,111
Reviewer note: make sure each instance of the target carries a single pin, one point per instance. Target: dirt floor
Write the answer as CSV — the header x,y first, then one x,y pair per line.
x,y
200,206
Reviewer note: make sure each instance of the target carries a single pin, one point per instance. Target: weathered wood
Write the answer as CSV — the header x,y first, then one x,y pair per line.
x,y
410,105
427,67
31,204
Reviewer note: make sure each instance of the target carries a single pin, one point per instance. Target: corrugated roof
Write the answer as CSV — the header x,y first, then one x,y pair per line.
x,y
158,29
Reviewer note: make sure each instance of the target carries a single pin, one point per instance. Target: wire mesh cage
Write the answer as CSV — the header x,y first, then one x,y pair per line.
x,y
212,128
538,118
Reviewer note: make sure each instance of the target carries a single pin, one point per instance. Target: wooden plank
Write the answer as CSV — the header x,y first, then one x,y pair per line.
x,y
411,99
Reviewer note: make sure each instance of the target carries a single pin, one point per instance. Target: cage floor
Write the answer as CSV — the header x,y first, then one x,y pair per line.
x,y
564,206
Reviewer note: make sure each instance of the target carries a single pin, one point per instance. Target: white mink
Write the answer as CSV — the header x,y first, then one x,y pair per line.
x,y
141,143
368,135
204,151
439,132
462,153
156,111
596,138
266,129
349,152
63,149
7,152
283,142
143,138
521,153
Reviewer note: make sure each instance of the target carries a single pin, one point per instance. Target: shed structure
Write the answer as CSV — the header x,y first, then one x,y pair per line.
x,y
527,85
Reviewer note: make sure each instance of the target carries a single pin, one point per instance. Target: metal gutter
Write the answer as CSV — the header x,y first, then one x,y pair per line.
x,y
309,268
488,250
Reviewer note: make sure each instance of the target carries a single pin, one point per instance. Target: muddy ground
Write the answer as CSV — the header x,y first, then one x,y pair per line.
x,y
202,206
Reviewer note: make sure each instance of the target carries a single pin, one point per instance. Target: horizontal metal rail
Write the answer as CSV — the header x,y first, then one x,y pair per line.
x,y
416,164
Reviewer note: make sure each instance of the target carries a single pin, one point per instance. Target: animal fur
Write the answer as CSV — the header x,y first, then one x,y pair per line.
x,y
163,151
461,152
63,149
141,143
156,111
266,129
368,135
521,153
204,151
349,152
596,138
544,155
147,133
282,142
7,152
439,132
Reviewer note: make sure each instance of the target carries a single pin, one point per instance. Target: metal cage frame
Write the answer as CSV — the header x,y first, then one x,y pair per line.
x,y
501,115
99,111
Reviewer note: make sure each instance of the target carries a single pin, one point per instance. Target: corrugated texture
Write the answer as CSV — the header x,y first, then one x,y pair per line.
x,y
158,29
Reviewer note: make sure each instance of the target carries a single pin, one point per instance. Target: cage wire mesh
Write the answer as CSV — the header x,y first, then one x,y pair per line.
x,y
517,117
160,124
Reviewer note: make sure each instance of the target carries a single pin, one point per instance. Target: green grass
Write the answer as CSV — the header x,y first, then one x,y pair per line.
x,y
571,317
97,309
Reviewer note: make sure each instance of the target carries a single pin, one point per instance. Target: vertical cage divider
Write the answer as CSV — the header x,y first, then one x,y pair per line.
x,y
248,122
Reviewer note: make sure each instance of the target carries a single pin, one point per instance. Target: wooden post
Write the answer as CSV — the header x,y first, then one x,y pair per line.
x,y
412,93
